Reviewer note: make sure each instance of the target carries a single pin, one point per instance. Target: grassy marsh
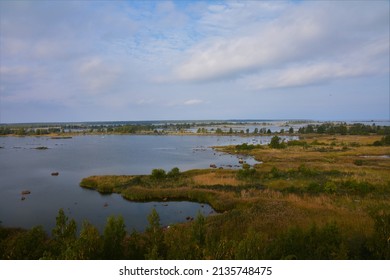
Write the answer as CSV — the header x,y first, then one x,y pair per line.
x,y
328,179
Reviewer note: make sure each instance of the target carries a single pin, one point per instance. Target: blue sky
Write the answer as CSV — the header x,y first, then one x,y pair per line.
x,y
164,60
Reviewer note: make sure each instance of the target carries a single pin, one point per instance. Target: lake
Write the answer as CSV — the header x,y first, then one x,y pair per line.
x,y
23,167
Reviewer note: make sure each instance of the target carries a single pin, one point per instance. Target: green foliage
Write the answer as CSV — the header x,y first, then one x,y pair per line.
x,y
154,237
344,129
314,188
63,237
202,130
385,141
64,230
276,173
158,174
380,241
246,173
246,147
204,238
355,187
276,143
315,243
174,173
113,238
330,187
306,171
252,247
26,245
89,244
199,230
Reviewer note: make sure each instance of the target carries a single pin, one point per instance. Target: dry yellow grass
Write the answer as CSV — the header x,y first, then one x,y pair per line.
x,y
209,179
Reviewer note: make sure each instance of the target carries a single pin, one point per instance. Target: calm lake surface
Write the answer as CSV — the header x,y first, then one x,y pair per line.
x,y
23,167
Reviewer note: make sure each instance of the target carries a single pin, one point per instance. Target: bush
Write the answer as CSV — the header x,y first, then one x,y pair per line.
x,y
276,143
158,174
246,147
246,173
330,187
174,173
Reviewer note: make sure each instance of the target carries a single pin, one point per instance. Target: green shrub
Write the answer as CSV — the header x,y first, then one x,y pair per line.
x,y
330,187
276,143
174,173
158,174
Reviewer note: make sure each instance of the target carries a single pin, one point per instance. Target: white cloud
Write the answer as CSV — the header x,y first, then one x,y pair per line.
x,y
300,36
368,60
193,102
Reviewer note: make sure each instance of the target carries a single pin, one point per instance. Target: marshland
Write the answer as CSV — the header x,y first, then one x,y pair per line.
x,y
322,194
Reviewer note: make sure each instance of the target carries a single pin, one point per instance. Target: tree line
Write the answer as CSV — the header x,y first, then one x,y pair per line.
x,y
345,129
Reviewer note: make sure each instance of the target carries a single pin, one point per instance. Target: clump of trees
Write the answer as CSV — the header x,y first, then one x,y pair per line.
x,y
161,174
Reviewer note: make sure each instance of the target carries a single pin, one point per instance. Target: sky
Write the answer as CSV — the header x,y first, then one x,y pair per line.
x,y
73,61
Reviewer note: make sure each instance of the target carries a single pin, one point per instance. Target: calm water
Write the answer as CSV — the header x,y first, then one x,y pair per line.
x,y
22,167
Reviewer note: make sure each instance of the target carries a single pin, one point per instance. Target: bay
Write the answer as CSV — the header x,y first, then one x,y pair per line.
x,y
24,167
